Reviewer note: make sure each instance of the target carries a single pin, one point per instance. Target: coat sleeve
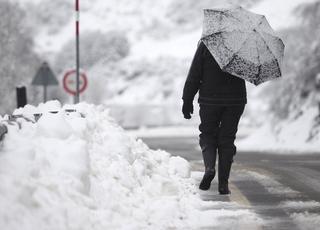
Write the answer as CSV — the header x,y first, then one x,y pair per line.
x,y
194,76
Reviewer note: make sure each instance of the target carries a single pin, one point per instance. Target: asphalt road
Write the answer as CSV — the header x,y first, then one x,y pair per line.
x,y
284,190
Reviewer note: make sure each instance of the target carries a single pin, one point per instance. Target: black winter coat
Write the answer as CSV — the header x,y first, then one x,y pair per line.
x,y
215,86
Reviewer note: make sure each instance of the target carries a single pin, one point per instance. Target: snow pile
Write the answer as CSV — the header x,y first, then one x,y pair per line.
x,y
306,220
138,91
298,134
311,204
78,170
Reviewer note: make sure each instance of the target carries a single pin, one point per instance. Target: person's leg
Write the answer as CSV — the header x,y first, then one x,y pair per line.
x,y
226,148
210,120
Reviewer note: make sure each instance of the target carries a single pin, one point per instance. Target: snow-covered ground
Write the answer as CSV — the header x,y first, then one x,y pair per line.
x,y
298,134
164,131
176,131
79,170
306,221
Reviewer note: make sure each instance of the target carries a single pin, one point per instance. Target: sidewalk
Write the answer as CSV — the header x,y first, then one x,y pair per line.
x,y
175,131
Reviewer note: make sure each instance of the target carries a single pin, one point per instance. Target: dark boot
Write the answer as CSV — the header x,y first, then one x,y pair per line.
x,y
206,180
225,162
224,188
224,172
209,153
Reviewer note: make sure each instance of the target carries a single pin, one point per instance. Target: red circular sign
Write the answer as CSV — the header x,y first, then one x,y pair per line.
x,y
69,82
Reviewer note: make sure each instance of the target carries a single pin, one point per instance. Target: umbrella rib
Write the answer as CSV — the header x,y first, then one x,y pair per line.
x,y
257,32
259,67
225,12
274,56
222,31
234,52
260,22
254,30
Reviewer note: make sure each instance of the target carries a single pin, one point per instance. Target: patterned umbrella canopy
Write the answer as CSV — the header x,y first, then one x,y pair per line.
x,y
243,43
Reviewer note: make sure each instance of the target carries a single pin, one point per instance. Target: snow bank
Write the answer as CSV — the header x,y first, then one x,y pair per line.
x,y
298,134
306,220
79,170
291,204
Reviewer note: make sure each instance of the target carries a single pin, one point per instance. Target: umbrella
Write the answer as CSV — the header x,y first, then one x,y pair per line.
x,y
243,43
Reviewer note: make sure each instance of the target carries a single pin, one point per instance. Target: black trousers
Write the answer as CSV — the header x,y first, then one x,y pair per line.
x,y
218,128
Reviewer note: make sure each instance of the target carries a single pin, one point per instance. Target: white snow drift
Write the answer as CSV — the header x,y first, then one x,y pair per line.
x,y
300,133
80,171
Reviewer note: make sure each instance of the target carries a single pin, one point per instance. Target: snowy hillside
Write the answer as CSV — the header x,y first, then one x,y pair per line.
x,y
300,133
292,125
145,22
162,39
137,19
79,170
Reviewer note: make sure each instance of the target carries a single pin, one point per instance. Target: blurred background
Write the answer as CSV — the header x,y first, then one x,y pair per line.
x,y
136,55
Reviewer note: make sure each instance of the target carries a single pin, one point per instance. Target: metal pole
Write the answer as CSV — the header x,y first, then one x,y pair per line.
x,y
77,98
45,93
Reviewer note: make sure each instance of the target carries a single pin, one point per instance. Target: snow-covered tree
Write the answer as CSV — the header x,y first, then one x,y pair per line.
x,y
17,59
311,63
94,47
188,14
301,64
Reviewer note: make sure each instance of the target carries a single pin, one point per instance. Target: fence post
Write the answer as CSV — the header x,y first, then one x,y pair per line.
x,y
21,96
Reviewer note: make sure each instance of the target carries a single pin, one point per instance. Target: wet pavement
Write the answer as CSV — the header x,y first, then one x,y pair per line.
x,y
283,189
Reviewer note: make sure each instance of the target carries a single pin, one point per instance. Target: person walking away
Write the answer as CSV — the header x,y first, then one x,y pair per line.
x,y
222,99
245,47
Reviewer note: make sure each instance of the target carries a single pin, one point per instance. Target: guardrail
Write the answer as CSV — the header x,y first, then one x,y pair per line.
x,y
3,131
13,120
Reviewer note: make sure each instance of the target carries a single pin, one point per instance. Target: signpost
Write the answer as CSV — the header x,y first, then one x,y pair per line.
x,y
69,82
77,97
45,77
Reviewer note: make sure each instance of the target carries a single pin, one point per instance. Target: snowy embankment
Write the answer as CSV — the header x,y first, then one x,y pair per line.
x,y
298,134
79,170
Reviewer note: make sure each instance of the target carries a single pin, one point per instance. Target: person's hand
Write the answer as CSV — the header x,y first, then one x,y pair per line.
x,y
187,109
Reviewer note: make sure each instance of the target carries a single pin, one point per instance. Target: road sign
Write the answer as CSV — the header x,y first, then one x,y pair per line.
x,y
70,82
45,77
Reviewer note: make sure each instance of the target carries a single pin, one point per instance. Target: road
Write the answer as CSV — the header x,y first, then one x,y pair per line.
x,y
284,190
